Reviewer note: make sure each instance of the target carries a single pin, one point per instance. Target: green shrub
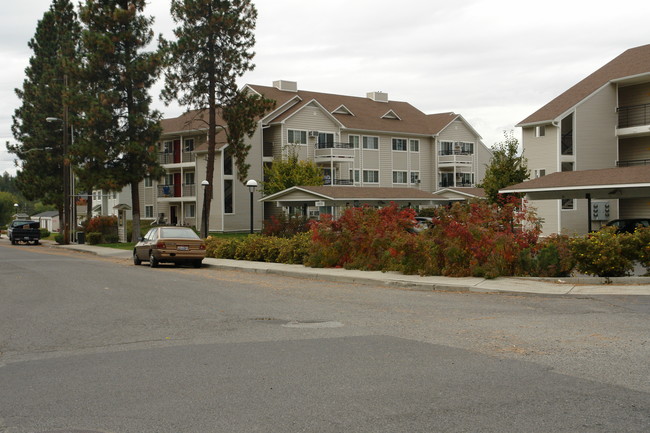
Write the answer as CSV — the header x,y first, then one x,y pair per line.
x,y
59,239
45,233
642,241
112,238
605,253
220,248
552,258
94,238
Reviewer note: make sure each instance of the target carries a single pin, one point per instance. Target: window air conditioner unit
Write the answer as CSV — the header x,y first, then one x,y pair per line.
x,y
313,134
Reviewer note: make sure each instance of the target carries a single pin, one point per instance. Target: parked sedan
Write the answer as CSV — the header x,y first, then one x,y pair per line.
x,y
176,245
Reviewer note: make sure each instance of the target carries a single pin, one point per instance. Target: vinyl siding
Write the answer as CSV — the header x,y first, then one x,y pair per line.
x,y
310,118
636,148
634,95
634,208
595,139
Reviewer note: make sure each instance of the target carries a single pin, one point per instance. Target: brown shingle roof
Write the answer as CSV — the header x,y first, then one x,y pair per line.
x,y
634,61
360,193
367,115
602,177
193,120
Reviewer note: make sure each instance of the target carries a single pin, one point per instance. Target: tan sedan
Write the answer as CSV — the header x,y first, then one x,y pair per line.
x,y
176,245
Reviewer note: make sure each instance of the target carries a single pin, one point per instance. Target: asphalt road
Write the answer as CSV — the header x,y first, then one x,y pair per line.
x,y
99,345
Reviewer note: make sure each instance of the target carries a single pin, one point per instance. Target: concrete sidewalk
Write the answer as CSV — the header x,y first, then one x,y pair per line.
x,y
548,286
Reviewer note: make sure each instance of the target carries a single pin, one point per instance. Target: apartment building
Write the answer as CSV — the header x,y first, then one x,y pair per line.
x,y
602,122
369,142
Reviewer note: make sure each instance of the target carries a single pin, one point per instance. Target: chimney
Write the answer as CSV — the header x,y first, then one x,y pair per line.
x,y
287,86
378,96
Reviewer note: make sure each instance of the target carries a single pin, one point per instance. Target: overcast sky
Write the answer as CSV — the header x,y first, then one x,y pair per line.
x,y
492,61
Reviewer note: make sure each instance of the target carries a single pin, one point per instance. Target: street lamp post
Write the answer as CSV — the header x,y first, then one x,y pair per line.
x,y
66,177
251,184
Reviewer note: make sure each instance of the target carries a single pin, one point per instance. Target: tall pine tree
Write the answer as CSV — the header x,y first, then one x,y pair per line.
x,y
45,94
119,128
213,48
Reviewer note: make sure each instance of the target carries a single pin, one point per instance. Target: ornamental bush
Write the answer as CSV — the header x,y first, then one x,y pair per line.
x,y
642,240
605,253
362,238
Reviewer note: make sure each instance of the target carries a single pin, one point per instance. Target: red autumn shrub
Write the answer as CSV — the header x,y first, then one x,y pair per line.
x,y
362,238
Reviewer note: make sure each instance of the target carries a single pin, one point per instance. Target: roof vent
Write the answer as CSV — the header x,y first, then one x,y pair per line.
x,y
378,96
287,86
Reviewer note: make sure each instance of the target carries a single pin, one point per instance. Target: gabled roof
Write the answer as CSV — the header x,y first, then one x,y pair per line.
x,y
349,193
368,115
632,63
193,120
461,192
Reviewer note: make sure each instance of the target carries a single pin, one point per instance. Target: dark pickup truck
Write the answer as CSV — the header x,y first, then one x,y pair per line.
x,y
24,231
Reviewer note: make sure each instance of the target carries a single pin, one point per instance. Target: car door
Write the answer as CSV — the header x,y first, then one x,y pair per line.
x,y
143,247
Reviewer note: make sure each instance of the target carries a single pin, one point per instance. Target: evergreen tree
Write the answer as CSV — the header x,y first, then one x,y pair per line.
x,y
285,173
44,94
506,167
119,128
212,49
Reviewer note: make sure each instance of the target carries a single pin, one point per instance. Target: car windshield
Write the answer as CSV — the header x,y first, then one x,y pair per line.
x,y
183,233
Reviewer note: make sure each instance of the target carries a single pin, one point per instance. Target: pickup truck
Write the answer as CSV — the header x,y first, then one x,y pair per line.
x,y
24,231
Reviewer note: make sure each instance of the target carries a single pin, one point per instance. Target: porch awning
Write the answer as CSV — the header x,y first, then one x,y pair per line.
x,y
339,196
608,183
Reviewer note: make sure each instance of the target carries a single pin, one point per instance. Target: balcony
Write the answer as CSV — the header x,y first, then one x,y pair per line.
x,y
176,157
338,182
334,152
633,162
634,120
177,190
455,158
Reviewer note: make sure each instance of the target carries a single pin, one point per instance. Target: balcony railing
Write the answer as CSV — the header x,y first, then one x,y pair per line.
x,y
334,145
176,158
633,162
634,115
177,190
338,181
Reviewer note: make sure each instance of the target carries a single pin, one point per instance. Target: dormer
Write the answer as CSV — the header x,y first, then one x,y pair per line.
x,y
342,109
391,115
378,96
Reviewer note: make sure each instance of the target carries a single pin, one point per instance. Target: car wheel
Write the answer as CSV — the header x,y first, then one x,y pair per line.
x,y
136,259
153,262
197,263
13,241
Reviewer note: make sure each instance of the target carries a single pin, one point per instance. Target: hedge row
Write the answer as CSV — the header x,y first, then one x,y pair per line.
x,y
474,239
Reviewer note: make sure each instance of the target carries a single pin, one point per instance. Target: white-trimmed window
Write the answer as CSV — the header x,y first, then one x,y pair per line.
x,y
295,136
400,177
415,177
148,183
540,172
190,210
189,178
354,141
568,204
371,176
399,144
370,142
148,211
567,166
354,175
414,145
189,145
167,147
228,200
540,131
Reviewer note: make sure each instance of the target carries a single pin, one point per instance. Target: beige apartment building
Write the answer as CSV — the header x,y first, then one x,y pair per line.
x,y
359,142
602,122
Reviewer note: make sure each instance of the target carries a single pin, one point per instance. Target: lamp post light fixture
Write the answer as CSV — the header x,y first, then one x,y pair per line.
x,y
251,184
204,214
